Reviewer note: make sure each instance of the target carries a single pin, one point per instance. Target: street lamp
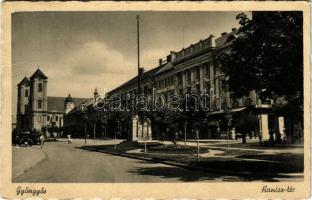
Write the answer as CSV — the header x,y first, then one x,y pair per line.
x,y
185,126
117,128
85,120
197,138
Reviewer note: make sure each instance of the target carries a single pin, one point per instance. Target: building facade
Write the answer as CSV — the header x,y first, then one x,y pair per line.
x,y
35,109
194,70
84,120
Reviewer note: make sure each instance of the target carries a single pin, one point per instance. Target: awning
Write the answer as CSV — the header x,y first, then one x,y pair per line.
x,y
213,123
220,112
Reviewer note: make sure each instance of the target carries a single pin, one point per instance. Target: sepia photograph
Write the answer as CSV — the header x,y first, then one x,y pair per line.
x,y
158,96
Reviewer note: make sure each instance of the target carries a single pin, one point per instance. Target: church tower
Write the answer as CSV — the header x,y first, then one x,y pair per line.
x,y
22,104
68,104
38,99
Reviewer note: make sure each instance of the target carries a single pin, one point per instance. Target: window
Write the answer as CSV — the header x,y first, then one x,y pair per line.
x,y
197,73
145,89
207,70
56,118
26,93
198,88
188,90
48,118
181,91
39,104
207,87
223,86
40,87
188,75
180,78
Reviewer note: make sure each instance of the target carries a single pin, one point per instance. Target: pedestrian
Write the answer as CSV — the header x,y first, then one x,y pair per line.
x,y
42,138
68,139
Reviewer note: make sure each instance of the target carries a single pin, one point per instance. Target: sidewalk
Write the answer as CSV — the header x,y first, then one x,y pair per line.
x,y
24,158
251,145
80,141
213,158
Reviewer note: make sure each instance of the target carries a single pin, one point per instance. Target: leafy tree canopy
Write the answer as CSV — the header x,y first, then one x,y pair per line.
x,y
267,56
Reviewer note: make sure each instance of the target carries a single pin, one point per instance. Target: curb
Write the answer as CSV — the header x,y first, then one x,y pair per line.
x,y
181,165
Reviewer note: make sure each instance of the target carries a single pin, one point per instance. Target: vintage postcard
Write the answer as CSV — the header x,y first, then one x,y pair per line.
x,y
157,100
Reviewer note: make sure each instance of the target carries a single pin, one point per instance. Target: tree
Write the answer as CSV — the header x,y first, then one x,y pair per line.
x,y
267,56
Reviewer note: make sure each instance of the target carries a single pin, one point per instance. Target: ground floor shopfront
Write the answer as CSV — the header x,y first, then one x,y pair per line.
x,y
232,124
235,123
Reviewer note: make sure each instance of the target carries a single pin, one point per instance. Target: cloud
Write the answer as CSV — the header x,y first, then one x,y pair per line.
x,y
95,58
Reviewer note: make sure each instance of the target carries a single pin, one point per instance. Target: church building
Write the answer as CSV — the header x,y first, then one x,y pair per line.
x,y
37,110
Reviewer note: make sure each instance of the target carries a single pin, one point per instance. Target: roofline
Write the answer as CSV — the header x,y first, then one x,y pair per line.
x,y
20,83
71,97
123,85
38,70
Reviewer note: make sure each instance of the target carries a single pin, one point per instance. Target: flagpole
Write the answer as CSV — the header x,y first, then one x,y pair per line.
x,y
138,45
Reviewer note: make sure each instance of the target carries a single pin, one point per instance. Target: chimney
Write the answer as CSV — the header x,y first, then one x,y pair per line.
x,y
160,61
212,41
141,71
173,55
224,33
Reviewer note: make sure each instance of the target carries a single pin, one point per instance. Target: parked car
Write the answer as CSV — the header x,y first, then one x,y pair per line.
x,y
26,138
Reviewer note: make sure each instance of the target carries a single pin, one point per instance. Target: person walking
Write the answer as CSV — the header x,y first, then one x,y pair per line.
x,y
42,138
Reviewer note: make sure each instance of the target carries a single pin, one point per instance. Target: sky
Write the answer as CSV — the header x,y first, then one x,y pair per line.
x,y
81,51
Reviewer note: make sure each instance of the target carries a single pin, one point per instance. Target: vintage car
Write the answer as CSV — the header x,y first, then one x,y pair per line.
x,y
26,138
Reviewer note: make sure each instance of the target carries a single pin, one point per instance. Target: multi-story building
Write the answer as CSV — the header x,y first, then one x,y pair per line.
x,y
37,110
195,70
85,120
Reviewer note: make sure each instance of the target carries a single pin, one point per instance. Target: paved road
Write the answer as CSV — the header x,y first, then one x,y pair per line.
x,y
65,163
